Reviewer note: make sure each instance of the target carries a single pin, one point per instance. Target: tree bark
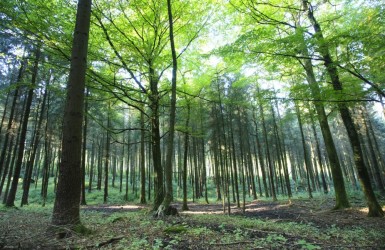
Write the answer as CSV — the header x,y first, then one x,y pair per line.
x,y
261,160
23,134
372,154
375,210
155,139
84,149
185,153
319,156
305,151
335,166
66,208
142,161
171,133
107,157
269,162
35,145
92,161
11,115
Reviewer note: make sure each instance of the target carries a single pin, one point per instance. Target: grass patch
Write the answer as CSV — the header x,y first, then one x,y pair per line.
x,y
115,227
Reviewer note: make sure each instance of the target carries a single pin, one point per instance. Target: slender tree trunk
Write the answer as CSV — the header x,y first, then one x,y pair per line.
x,y
376,164
305,151
185,153
235,168
246,140
319,157
379,158
46,167
28,176
242,168
92,161
121,166
375,210
84,151
10,162
282,155
128,162
8,167
155,139
100,163
113,166
269,161
4,114
11,115
260,155
149,172
170,144
107,157
142,161
335,166
23,135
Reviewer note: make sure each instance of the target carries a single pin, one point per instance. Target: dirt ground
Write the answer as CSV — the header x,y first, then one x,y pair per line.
x,y
302,212
317,212
26,230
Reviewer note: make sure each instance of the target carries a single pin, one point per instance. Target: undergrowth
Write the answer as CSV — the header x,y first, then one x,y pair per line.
x,y
26,227
116,228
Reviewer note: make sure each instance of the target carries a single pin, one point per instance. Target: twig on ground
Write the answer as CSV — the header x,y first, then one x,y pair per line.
x,y
270,232
232,243
112,240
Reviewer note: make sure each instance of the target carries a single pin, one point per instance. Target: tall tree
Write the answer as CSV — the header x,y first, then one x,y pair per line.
x,y
171,133
338,180
23,132
31,161
375,210
66,208
305,151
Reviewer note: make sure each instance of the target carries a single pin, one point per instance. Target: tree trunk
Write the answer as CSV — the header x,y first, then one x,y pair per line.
x,y
305,151
261,160
4,114
319,156
185,153
66,208
46,165
23,134
129,156
10,162
142,161
107,157
28,175
121,165
171,134
269,162
84,151
11,115
8,170
92,161
372,152
100,163
248,150
234,156
375,210
155,137
335,166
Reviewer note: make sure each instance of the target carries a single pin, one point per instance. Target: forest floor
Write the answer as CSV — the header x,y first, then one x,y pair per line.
x,y
297,224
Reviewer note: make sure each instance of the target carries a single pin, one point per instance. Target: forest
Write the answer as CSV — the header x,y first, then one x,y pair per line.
x,y
211,124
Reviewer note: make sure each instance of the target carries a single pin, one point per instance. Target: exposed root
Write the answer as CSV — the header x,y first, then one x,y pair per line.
x,y
163,211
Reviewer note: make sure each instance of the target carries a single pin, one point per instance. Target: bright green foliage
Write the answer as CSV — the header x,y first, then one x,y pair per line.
x,y
233,58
